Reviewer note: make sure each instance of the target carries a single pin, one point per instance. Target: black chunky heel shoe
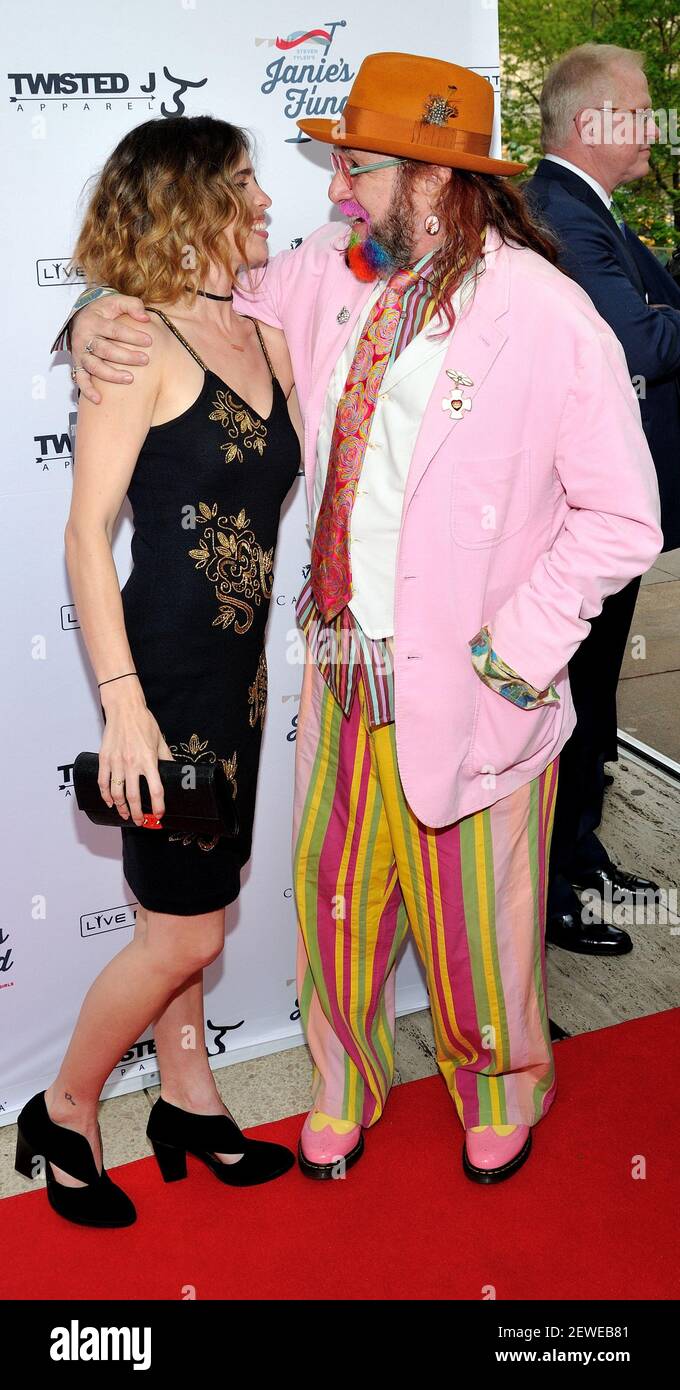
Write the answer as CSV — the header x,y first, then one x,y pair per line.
x,y
174,1133
41,1142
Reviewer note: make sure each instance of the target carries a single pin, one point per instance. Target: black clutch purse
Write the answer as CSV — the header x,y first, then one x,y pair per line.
x,y
207,806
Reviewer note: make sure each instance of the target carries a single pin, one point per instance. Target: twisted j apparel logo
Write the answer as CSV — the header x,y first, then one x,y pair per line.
x,y
91,91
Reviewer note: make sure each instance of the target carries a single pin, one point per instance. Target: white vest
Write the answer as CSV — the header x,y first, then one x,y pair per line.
x,y
376,515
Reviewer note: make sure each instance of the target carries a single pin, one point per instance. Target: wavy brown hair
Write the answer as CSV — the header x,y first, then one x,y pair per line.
x,y
467,202
155,219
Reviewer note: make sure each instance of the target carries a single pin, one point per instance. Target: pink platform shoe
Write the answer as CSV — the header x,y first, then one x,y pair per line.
x,y
494,1152
328,1146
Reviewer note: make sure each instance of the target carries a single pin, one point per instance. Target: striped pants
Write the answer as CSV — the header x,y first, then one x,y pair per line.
x,y
474,895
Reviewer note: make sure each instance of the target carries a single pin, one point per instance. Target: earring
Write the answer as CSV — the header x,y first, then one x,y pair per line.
x,y
432,224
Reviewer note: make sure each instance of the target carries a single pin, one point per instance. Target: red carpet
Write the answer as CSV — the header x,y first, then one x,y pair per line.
x,y
406,1223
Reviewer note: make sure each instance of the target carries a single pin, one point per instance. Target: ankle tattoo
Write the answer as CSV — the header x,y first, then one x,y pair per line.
x,y
68,1096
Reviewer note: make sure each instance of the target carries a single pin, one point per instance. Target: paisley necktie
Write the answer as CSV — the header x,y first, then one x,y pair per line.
x,y
331,573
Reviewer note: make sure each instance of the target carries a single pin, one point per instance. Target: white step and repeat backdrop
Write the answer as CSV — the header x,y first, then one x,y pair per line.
x,y
76,77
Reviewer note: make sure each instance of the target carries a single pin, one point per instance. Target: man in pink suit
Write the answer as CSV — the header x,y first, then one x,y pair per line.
x,y
478,482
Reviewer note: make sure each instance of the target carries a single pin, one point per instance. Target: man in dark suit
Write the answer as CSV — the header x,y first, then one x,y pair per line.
x,y
597,126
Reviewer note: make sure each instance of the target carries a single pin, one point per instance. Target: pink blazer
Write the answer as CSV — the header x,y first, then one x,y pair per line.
x,y
551,453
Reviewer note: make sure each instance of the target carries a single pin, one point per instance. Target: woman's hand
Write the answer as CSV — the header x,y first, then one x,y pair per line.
x,y
95,337
132,743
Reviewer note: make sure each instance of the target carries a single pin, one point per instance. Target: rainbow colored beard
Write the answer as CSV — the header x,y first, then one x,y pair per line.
x,y
366,257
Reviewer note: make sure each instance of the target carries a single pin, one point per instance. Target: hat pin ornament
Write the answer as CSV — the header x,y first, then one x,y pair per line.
x,y
456,403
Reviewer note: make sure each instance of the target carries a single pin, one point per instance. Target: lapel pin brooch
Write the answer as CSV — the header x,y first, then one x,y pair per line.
x,y
457,402
343,315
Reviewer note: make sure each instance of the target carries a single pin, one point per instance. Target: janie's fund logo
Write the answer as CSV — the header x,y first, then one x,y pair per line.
x,y
310,79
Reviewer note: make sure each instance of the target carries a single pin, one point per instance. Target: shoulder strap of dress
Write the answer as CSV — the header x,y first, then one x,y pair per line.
x,y
259,334
178,335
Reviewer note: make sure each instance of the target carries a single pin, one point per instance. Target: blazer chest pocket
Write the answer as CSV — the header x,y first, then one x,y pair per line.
x,y
490,498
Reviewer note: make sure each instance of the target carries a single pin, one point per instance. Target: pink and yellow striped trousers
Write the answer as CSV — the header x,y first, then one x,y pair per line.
x,y
474,896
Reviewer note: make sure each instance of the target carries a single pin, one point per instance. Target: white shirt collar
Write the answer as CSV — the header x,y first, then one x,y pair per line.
x,y
601,192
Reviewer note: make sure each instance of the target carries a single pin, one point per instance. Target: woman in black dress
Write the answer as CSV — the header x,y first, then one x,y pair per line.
x,y
203,444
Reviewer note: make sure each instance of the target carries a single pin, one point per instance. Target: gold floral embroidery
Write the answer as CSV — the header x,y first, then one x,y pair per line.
x,y
198,752
257,693
229,765
236,564
241,426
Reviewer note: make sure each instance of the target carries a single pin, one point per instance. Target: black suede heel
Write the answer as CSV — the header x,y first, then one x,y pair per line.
x,y
41,1142
174,1133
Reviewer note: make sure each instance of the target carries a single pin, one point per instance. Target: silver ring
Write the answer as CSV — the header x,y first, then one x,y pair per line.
x,y
74,373
88,345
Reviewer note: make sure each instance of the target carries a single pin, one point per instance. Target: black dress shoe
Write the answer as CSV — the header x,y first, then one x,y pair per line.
x,y
613,882
594,939
101,1202
174,1133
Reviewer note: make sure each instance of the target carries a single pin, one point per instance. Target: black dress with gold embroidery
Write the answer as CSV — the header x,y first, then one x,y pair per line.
x,y
206,496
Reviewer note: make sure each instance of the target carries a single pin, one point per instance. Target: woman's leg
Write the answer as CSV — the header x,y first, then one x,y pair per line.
x,y
179,1031
120,1003
187,1079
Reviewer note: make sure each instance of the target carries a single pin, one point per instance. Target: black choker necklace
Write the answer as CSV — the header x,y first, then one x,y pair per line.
x,y
214,296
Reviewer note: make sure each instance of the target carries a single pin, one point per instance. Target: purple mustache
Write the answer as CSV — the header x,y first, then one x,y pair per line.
x,y
351,208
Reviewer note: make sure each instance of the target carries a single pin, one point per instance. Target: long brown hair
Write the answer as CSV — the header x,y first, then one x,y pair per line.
x,y
467,203
162,201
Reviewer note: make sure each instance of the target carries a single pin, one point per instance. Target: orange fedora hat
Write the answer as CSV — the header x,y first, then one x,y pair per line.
x,y
418,108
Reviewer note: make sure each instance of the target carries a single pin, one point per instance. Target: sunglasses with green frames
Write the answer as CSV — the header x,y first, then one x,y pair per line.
x,y
340,165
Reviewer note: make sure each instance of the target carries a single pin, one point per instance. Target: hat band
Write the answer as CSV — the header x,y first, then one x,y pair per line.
x,y
359,120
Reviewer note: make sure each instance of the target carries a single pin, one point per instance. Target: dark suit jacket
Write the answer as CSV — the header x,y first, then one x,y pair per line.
x,y
619,272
